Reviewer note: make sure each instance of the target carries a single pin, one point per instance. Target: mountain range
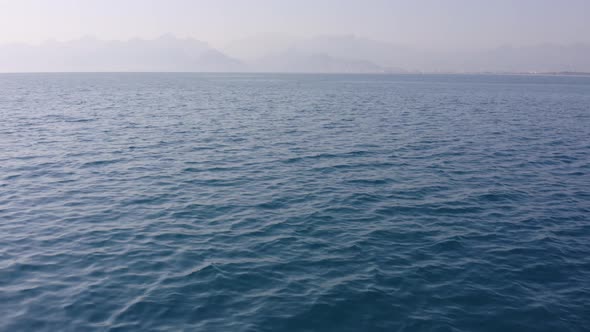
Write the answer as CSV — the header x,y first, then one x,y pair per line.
x,y
321,54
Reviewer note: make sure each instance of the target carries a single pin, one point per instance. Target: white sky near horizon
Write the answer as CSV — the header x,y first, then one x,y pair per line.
x,y
440,24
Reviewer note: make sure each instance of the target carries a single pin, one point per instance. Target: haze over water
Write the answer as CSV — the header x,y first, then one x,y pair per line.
x,y
325,36
267,202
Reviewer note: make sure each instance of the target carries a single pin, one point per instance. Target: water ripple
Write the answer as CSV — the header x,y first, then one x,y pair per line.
x,y
172,202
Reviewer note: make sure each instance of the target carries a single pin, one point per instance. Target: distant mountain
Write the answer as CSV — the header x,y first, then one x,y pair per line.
x,y
166,53
256,47
322,54
292,61
537,58
353,47
336,46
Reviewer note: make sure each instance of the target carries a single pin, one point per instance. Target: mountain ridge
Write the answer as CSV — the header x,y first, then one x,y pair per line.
x,y
321,54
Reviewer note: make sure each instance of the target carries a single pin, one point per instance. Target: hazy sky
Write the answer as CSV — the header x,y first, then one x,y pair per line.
x,y
425,23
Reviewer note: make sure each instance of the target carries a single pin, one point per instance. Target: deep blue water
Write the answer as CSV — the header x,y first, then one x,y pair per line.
x,y
195,202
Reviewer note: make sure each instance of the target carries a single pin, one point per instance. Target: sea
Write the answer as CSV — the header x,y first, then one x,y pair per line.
x,y
287,202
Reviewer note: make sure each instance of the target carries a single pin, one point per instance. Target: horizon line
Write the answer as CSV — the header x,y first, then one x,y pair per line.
x,y
415,73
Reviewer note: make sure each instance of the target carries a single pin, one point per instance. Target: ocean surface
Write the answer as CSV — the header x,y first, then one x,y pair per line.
x,y
220,202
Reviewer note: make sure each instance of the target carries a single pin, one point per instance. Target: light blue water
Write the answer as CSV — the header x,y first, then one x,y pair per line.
x,y
193,202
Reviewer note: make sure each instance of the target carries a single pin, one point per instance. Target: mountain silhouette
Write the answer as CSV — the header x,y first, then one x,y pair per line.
x,y
321,54
166,53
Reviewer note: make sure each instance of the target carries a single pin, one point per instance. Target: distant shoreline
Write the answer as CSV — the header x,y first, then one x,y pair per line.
x,y
564,74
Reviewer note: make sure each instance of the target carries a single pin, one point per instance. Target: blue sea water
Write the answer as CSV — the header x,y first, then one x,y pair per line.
x,y
202,202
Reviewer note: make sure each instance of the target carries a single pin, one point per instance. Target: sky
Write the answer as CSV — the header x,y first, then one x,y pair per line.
x,y
442,24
